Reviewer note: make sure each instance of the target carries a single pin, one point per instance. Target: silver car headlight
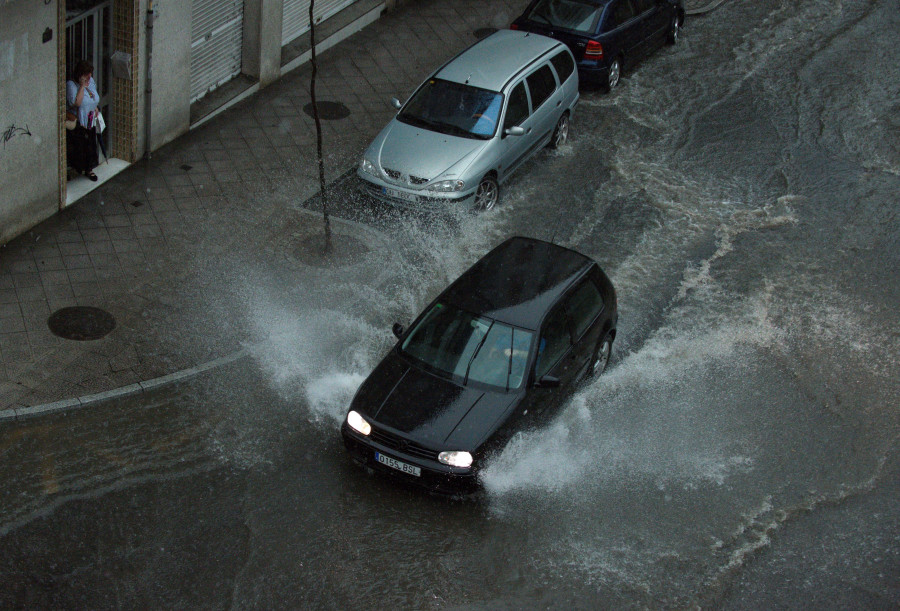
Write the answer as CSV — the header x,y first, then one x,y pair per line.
x,y
447,186
456,459
368,167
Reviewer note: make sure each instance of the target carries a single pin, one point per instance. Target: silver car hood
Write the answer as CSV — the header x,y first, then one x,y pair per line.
x,y
423,153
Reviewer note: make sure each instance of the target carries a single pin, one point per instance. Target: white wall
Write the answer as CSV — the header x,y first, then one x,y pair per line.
x,y
171,71
29,121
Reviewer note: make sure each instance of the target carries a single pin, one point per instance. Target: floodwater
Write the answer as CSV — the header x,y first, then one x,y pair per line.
x,y
740,189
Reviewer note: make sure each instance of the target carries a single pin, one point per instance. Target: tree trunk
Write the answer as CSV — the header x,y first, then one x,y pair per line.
x,y
312,94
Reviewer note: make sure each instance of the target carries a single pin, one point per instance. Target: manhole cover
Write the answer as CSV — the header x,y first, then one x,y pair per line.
x,y
330,111
484,32
81,323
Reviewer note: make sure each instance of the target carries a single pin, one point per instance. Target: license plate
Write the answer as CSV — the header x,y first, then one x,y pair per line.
x,y
393,463
399,194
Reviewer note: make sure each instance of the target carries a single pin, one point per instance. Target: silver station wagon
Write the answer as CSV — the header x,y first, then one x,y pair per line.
x,y
468,127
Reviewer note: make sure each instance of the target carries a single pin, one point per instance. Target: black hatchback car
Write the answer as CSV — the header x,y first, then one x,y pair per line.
x,y
496,352
605,36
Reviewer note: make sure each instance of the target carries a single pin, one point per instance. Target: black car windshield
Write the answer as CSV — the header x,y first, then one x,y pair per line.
x,y
578,15
454,109
470,348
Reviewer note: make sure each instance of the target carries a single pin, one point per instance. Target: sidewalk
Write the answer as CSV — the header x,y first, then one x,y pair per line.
x,y
149,245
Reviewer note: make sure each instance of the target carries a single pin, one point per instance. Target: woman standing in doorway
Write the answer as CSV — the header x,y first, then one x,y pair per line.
x,y
82,100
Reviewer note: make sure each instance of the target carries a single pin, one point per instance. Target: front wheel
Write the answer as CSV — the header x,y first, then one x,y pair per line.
x,y
601,356
487,194
561,133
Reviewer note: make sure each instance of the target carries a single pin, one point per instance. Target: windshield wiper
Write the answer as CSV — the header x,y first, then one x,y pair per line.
x,y
474,354
449,128
418,121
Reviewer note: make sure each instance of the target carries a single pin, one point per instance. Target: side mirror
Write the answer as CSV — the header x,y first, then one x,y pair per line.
x,y
396,103
398,330
548,382
514,131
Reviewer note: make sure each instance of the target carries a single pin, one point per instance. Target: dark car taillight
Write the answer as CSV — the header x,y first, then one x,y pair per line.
x,y
593,51
513,26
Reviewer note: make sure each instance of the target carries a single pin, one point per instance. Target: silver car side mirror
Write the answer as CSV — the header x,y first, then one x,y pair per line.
x,y
514,131
396,103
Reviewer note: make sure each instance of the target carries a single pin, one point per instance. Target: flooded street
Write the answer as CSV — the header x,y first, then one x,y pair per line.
x,y
740,190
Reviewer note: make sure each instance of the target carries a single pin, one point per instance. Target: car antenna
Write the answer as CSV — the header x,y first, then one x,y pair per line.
x,y
468,77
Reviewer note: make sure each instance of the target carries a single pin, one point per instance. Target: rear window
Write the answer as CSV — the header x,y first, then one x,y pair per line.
x,y
578,15
541,84
564,65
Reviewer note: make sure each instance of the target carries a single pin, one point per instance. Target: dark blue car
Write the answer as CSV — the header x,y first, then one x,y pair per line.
x,y
605,36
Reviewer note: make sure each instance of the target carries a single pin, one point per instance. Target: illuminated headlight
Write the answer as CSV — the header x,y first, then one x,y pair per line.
x,y
447,186
358,424
368,167
455,459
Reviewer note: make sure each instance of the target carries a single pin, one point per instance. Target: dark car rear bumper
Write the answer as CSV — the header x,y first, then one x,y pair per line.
x,y
592,72
434,478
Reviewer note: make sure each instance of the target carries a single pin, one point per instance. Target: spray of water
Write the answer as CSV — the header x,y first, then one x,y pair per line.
x,y
316,352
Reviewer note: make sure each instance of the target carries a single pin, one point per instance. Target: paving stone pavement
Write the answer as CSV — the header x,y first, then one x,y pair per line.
x,y
145,245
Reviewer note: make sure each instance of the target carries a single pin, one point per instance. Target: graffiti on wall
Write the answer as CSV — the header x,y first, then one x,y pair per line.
x,y
13,131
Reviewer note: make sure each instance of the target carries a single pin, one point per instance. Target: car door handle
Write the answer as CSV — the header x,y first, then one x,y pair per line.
x,y
528,131
558,102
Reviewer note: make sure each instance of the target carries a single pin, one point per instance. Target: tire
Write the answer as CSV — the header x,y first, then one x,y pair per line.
x,y
487,195
615,74
674,30
600,358
561,133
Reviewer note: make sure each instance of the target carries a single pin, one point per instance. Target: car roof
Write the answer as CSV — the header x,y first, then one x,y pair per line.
x,y
518,281
493,61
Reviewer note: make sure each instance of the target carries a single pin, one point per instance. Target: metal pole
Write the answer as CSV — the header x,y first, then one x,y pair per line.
x,y
151,16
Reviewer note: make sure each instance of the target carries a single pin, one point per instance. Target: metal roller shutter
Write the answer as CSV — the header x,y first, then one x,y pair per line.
x,y
295,16
217,29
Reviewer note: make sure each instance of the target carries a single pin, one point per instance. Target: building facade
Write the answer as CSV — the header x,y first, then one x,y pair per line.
x,y
161,66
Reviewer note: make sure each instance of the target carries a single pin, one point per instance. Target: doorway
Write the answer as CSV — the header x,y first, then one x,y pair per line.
x,y
88,27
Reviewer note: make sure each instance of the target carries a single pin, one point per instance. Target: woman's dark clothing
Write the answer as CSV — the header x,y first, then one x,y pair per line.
x,y
81,142
81,149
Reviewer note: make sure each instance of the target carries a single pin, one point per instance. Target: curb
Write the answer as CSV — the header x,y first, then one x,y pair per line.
x,y
22,413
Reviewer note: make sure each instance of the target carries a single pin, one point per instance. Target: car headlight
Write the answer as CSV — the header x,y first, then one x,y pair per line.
x,y
456,459
446,186
358,423
368,167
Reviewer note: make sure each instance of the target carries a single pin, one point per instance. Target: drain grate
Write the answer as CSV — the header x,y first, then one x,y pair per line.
x,y
330,111
484,32
81,323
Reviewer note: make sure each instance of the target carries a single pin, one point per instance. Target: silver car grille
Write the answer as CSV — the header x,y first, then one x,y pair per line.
x,y
400,177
